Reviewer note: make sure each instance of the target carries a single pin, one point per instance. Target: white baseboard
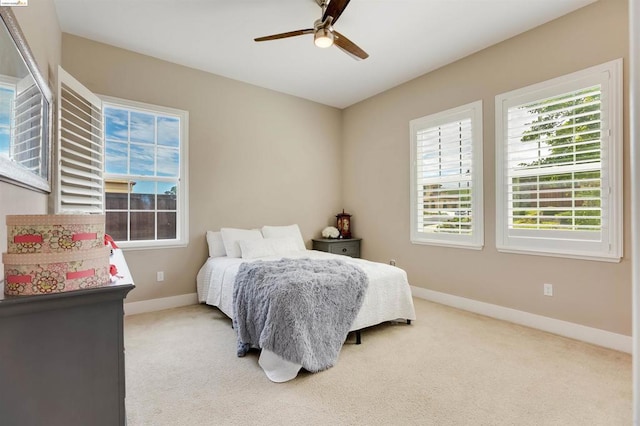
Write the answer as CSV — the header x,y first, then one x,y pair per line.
x,y
595,336
592,335
152,305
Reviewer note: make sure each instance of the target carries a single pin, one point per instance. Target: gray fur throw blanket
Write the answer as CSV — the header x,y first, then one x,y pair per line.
x,y
300,309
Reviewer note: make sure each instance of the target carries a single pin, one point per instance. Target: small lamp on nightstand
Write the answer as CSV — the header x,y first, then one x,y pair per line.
x,y
344,224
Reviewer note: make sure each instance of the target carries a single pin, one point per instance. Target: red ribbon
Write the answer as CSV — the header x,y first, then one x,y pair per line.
x,y
27,238
18,279
108,240
84,236
81,274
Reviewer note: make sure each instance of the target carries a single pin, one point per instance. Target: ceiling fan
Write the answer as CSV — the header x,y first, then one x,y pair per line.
x,y
323,33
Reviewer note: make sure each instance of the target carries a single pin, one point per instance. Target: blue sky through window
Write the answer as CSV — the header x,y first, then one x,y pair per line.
x,y
116,124
144,187
6,97
168,131
143,128
142,161
153,187
142,144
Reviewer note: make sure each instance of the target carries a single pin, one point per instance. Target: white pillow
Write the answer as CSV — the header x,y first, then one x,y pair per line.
x,y
290,231
231,236
215,243
284,245
252,249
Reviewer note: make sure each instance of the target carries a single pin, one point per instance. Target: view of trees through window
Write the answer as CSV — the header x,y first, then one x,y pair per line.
x,y
555,160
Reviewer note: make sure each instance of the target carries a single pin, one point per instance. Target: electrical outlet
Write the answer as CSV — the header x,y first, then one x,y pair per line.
x,y
160,276
548,290
392,262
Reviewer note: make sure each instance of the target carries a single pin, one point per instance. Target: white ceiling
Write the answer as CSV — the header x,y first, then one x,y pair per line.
x,y
404,38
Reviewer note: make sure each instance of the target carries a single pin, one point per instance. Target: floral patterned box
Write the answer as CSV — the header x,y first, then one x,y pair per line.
x,y
46,273
27,234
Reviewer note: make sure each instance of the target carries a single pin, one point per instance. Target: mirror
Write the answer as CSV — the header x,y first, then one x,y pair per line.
x,y
25,111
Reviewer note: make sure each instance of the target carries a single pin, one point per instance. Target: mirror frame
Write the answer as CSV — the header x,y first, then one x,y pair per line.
x,y
9,171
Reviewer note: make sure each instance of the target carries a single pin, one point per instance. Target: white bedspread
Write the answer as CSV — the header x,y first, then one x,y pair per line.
x,y
388,298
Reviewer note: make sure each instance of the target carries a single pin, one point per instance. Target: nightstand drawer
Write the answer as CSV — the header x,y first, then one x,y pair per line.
x,y
347,248
350,247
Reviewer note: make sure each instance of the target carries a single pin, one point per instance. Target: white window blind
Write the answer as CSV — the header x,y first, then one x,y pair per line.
x,y
446,177
80,154
558,164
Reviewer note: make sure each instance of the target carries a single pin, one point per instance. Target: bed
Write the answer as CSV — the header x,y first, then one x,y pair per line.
x,y
387,297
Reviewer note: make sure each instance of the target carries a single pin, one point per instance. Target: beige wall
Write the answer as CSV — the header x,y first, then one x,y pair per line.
x,y
376,137
256,157
259,157
39,24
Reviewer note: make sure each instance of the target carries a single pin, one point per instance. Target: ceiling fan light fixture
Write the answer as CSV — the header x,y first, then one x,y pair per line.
x,y
323,38
323,33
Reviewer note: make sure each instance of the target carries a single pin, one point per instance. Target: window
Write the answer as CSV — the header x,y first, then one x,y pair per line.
x,y
145,173
124,159
559,166
446,178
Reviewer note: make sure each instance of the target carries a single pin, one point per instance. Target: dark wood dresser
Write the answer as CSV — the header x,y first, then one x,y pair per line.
x,y
62,358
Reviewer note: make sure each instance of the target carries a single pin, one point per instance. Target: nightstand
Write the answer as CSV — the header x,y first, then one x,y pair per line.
x,y
348,247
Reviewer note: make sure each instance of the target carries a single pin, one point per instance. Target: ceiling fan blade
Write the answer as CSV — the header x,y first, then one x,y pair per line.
x,y
348,46
335,9
285,35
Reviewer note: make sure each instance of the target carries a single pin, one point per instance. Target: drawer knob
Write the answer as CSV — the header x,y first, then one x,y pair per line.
x,y
344,250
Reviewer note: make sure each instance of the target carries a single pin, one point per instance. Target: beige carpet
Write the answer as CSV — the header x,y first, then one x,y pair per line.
x,y
449,367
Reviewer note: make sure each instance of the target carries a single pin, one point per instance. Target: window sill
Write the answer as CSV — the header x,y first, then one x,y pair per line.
x,y
577,256
150,245
468,246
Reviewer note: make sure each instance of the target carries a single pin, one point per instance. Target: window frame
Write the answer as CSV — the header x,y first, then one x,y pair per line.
x,y
475,240
609,247
182,202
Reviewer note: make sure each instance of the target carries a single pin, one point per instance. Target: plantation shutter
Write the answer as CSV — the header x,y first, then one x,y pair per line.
x,y
446,181
26,148
559,166
554,164
444,177
80,184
